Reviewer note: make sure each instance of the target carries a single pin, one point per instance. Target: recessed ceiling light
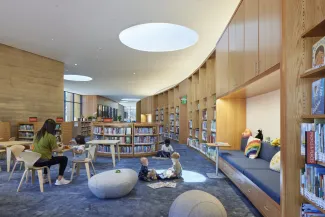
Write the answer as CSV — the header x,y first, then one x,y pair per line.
x,y
75,64
77,78
133,73
52,39
158,37
130,100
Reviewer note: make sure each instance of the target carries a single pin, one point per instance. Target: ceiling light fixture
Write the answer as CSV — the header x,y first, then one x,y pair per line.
x,y
133,73
77,78
130,100
158,37
52,39
75,64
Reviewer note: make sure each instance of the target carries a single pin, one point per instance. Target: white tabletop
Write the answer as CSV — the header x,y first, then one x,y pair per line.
x,y
11,143
103,142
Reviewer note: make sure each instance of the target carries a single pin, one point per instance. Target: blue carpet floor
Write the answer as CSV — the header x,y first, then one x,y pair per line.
x,y
75,199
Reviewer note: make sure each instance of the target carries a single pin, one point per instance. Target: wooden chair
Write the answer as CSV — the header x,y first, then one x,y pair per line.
x,y
29,159
16,150
91,153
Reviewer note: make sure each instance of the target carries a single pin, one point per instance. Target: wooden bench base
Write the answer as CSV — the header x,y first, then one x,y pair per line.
x,y
259,198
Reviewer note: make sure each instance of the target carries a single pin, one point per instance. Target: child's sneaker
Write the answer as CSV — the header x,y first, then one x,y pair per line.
x,y
62,182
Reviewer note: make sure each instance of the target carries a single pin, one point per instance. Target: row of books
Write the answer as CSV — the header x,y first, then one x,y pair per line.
x,y
190,132
308,210
312,184
204,136
161,129
172,123
204,125
177,129
145,139
145,130
171,116
190,124
26,134
157,112
197,131
210,152
177,110
123,149
312,143
172,128
98,130
212,138
123,140
204,114
213,126
162,111
177,123
117,131
26,127
144,149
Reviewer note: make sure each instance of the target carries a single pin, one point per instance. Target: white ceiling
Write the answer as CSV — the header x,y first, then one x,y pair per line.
x,y
86,32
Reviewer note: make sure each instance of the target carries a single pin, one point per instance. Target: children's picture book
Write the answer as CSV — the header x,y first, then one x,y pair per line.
x,y
318,58
310,147
162,185
318,97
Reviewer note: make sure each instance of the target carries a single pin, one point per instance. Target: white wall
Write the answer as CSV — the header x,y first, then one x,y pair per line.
x,y
263,112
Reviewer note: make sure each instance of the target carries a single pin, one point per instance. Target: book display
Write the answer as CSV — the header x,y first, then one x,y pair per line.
x,y
146,137
318,95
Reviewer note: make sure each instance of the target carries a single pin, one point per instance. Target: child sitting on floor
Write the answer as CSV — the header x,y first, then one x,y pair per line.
x,y
166,149
175,172
145,174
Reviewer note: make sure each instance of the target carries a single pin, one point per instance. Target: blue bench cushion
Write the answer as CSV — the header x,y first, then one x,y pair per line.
x,y
267,180
245,163
240,154
268,151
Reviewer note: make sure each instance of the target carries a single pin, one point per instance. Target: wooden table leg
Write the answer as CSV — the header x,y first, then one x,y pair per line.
x,y
113,154
8,159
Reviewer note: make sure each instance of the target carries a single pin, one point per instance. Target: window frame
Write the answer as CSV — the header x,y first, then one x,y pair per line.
x,y
73,104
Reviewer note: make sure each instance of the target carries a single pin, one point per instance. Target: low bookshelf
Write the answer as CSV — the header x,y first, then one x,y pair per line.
x,y
27,130
113,131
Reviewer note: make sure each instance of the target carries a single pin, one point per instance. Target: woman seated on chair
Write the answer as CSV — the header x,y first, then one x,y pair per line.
x,y
45,143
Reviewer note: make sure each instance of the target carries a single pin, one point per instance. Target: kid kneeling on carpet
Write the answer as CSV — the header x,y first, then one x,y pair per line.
x,y
175,172
166,149
145,174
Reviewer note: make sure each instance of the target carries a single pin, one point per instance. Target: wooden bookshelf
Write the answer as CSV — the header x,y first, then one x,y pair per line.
x,y
314,73
27,130
312,116
5,131
145,131
317,30
312,203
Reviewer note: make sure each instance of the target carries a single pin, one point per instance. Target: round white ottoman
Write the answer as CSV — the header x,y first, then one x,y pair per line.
x,y
197,203
110,184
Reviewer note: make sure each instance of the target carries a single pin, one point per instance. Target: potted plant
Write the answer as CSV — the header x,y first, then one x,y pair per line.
x,y
119,118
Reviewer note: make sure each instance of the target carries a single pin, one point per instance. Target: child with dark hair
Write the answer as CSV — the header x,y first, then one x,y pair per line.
x,y
166,150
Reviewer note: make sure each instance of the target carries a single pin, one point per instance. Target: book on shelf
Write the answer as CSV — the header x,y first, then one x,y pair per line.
x,y
144,149
310,147
161,129
212,138
177,130
318,58
157,112
144,130
318,95
144,139
26,135
177,109
162,111
171,116
308,210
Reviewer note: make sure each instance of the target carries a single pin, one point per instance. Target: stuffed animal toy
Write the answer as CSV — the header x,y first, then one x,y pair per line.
x,y
247,133
152,174
259,134
276,142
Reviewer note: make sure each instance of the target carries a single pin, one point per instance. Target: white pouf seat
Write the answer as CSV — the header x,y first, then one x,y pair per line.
x,y
197,203
110,184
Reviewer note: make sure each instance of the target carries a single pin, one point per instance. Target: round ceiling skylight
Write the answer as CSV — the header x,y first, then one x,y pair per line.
x,y
77,78
158,37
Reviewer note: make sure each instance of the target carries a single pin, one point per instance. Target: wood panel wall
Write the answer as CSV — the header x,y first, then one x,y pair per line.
x,y
295,93
30,85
